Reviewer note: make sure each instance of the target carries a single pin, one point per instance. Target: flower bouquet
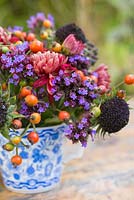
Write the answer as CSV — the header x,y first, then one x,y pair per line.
x,y
48,79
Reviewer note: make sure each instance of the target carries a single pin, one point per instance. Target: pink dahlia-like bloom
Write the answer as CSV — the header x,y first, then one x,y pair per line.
x,y
4,36
72,46
103,78
47,62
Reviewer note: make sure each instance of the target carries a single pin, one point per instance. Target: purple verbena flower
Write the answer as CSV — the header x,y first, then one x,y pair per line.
x,y
66,103
17,64
84,144
92,133
73,95
75,91
80,126
27,111
15,28
76,136
36,21
80,62
67,81
79,131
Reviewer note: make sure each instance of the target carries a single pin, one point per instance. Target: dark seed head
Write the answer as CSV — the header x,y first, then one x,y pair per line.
x,y
91,51
114,115
68,29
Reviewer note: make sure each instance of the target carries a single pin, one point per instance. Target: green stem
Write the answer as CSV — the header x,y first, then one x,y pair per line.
x,y
34,127
24,131
25,145
1,75
119,84
58,110
1,45
8,90
28,52
16,150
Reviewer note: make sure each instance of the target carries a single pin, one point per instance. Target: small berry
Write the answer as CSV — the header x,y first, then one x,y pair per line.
x,y
25,91
24,35
63,115
16,140
8,146
81,74
17,123
19,34
121,94
31,100
129,79
102,89
44,35
18,42
16,160
93,78
4,86
5,49
47,23
30,37
33,137
96,111
56,47
36,46
86,78
35,118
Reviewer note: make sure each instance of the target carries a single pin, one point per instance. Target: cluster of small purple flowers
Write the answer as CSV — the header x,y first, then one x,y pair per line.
x,y
77,93
15,28
41,107
35,21
27,111
79,131
81,62
17,64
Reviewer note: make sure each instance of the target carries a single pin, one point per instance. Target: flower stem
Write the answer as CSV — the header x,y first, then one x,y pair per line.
x,y
34,127
24,131
119,84
16,150
25,145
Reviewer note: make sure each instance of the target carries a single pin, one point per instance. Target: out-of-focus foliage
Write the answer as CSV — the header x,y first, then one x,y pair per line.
x,y
108,23
18,11
125,30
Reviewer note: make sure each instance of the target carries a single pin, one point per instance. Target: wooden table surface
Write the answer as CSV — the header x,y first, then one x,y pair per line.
x,y
105,172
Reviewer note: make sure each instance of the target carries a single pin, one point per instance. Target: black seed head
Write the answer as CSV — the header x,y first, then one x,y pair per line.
x,y
91,51
68,29
114,115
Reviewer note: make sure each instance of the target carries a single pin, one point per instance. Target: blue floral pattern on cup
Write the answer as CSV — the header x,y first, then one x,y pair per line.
x,y
42,163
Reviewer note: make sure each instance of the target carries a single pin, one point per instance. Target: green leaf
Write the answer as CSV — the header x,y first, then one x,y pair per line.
x,y
5,132
60,103
13,100
52,121
11,108
14,116
5,95
8,120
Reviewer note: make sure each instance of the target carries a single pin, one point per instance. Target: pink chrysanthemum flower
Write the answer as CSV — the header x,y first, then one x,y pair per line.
x,y
103,78
47,62
4,36
72,46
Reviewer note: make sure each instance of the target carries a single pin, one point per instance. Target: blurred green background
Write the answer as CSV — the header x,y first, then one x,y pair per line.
x,y
109,24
